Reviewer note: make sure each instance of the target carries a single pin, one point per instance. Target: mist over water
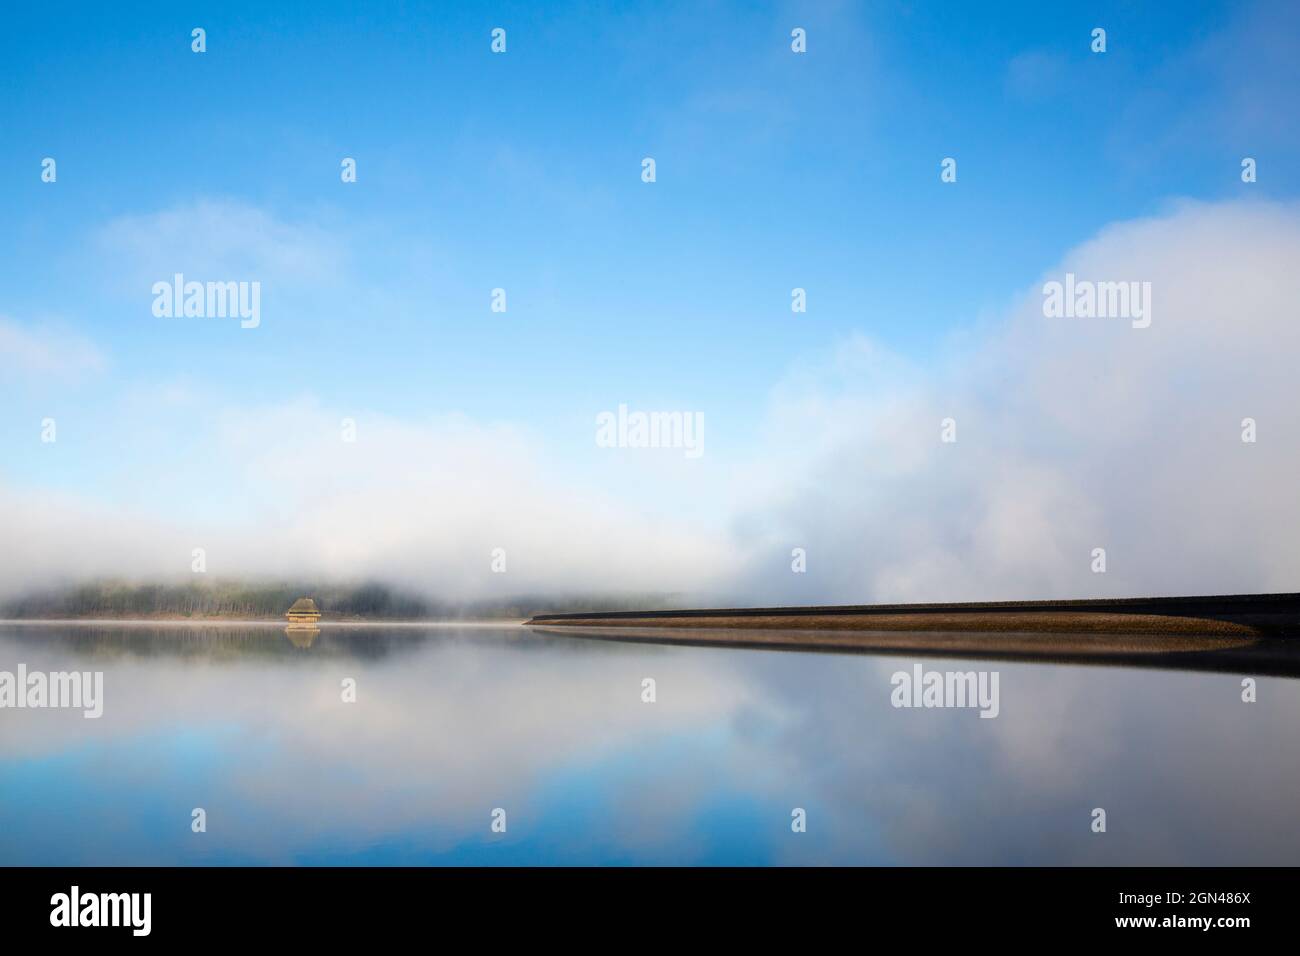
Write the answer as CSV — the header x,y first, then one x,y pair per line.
x,y
451,723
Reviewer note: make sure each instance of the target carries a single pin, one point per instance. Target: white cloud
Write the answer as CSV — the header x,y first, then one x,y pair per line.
x,y
220,240
46,352
1072,434
274,489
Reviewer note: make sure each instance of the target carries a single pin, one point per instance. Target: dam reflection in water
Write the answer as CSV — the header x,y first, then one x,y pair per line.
x,y
449,723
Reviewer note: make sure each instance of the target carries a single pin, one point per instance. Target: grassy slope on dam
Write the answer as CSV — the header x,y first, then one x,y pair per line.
x,y
1221,615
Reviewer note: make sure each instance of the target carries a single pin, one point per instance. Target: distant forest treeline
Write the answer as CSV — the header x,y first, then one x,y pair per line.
x,y
244,600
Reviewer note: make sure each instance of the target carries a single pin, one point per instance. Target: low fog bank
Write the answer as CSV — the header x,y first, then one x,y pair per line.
x,y
269,600
1072,435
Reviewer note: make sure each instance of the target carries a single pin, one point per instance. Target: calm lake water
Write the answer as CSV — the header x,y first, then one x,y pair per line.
x,y
452,723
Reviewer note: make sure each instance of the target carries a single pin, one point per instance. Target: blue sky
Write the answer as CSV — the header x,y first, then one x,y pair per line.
x,y
522,171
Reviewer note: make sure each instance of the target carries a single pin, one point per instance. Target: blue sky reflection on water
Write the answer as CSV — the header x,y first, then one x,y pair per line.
x,y
451,723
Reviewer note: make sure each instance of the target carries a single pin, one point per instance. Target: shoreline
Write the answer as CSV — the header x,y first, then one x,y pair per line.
x,y
241,622
1223,654
992,623
1247,615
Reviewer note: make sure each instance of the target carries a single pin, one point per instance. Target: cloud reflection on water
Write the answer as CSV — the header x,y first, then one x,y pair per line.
x,y
452,722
